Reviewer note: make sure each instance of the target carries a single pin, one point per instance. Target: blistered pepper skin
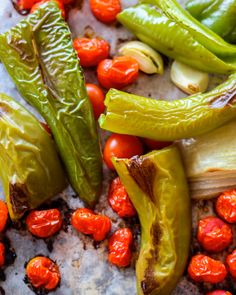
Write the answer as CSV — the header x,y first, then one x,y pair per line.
x,y
170,120
30,168
164,214
44,66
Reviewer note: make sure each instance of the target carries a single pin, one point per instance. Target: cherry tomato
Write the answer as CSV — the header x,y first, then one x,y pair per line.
x,y
119,199
89,223
43,273
118,72
44,223
3,215
119,247
2,254
96,97
26,4
121,146
156,145
105,10
65,2
214,234
59,3
219,292
226,206
231,262
205,269
91,51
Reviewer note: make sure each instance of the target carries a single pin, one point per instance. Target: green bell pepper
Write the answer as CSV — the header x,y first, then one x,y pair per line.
x,y
170,38
217,15
30,170
39,56
170,120
157,187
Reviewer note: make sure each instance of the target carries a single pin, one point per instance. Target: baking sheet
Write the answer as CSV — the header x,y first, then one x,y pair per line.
x,y
83,264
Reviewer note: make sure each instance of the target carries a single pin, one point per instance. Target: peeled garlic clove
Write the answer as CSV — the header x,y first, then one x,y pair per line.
x,y
150,61
188,79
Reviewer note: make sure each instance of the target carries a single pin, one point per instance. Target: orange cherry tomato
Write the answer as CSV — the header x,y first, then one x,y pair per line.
x,y
119,247
43,273
96,97
25,4
39,3
119,199
118,72
205,269
156,145
3,215
121,146
214,234
231,262
2,254
91,51
44,223
89,223
226,206
105,10
219,292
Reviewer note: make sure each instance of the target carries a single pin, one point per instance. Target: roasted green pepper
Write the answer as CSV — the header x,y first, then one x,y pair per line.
x,y
217,15
39,56
30,168
158,189
170,120
170,38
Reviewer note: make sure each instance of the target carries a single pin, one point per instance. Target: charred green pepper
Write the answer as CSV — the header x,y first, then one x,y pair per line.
x,y
30,168
170,38
217,15
157,187
39,56
170,120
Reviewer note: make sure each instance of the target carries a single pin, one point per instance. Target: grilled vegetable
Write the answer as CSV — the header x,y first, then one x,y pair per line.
x,y
226,206
170,120
39,56
157,187
30,168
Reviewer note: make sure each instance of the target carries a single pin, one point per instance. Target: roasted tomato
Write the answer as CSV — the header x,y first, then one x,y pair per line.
x,y
43,273
3,215
231,262
59,3
96,97
205,269
119,199
89,223
226,206
2,254
118,72
105,10
119,247
156,145
91,51
219,292
44,223
25,4
214,234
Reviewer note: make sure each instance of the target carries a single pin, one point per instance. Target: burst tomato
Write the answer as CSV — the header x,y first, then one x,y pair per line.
x,y
2,254
105,10
3,215
96,97
38,3
226,206
219,292
231,262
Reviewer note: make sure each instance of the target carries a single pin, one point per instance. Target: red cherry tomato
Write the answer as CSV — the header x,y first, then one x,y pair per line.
x,y
25,4
91,51
42,272
105,10
2,254
119,199
219,292
96,97
119,247
214,234
231,262
121,146
44,223
39,3
205,269
118,72
3,215
156,145
89,223
226,206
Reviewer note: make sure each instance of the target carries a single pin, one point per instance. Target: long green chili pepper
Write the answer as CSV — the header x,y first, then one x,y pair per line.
x,y
217,15
157,187
39,56
170,120
200,33
30,168
170,38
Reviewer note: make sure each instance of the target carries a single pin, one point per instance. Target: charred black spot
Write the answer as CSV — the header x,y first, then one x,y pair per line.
x,y
225,99
10,255
2,291
18,198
